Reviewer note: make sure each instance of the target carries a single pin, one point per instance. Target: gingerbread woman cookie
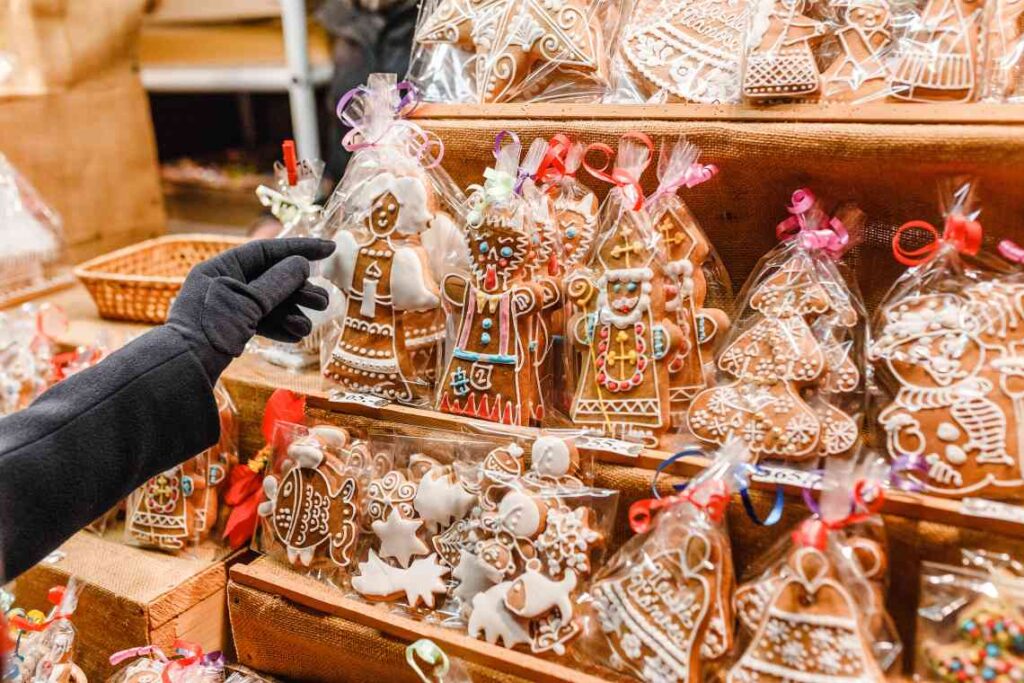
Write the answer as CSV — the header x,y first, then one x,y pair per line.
x,y
383,273
860,72
938,58
956,367
781,63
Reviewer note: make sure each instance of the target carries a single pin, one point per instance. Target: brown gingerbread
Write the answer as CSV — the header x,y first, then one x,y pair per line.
x,y
859,72
384,272
781,62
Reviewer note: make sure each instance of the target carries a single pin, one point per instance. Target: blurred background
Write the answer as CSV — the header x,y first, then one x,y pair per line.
x,y
133,118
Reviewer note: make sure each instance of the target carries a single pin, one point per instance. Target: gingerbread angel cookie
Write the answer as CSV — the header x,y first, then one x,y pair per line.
x,y
938,58
794,356
311,506
491,372
781,63
690,50
955,362
384,272
810,629
860,72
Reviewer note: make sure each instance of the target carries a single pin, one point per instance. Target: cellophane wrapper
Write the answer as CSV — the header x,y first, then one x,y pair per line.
x,y
309,512
395,217
948,366
791,371
295,207
970,621
156,669
48,654
844,579
699,291
475,50
620,333
661,608
528,547
26,358
32,235
574,207
500,314
422,494
179,510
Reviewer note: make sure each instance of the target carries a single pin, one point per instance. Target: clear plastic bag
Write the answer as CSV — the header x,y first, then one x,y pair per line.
x,y
414,516
47,645
814,605
496,331
149,664
790,377
312,494
26,355
466,50
394,192
661,608
695,274
179,509
620,324
970,622
293,203
947,362
1003,79
32,236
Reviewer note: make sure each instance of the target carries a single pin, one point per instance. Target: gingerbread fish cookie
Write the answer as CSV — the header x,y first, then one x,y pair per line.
x,y
955,363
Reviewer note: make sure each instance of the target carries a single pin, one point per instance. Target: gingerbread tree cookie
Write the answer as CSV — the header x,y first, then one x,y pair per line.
x,y
780,63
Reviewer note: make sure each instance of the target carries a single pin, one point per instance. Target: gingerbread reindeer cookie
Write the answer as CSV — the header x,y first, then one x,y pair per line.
x,y
781,62
491,372
383,273
622,328
810,629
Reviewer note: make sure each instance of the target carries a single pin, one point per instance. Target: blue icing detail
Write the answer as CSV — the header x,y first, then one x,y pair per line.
x,y
631,287
988,673
186,485
483,247
485,338
487,323
506,252
658,334
495,358
570,233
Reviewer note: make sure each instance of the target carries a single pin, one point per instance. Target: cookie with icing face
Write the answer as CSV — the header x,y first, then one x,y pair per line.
x,y
954,365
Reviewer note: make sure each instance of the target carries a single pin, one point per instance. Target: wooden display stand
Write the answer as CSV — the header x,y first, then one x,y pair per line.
x,y
133,597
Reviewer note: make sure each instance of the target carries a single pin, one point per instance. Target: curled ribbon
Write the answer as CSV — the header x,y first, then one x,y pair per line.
x,y
190,655
903,465
552,168
962,233
867,500
1011,251
621,178
424,145
429,652
134,652
833,238
712,497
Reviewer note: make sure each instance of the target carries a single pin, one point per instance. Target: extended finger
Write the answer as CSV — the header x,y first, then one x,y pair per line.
x,y
253,259
279,282
310,296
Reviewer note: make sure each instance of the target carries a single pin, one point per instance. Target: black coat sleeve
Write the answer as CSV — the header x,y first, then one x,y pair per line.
x,y
89,441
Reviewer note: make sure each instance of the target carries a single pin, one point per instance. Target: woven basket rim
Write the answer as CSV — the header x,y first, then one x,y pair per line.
x,y
93,269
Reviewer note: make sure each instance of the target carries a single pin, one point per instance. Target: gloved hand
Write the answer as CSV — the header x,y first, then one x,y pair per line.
x,y
256,288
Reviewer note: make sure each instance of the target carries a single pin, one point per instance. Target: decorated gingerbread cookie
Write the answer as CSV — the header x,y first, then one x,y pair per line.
x,y
810,629
311,505
954,362
164,511
384,272
859,72
938,58
781,64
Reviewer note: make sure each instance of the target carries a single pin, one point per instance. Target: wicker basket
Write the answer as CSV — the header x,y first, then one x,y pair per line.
x,y
139,283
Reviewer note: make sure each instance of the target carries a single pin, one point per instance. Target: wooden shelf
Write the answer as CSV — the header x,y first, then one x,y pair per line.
x,y
250,379
875,112
267,576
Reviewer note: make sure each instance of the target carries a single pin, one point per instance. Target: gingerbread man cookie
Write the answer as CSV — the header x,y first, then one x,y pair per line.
x,y
625,335
956,366
383,273
860,72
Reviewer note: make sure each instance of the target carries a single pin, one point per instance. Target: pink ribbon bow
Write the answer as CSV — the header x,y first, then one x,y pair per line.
x,y
809,224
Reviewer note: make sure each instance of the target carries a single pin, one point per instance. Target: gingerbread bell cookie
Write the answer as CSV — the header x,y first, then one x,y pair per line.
x,y
948,355
491,372
621,327
791,379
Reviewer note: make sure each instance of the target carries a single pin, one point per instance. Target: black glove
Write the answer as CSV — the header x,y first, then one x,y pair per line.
x,y
256,288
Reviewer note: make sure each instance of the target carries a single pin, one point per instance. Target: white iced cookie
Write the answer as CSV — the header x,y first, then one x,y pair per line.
x,y
378,580
441,499
534,594
551,456
474,576
398,539
522,514
491,618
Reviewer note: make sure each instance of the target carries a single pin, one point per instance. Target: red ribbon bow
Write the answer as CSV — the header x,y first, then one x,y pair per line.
x,y
621,178
867,501
959,231
552,167
712,497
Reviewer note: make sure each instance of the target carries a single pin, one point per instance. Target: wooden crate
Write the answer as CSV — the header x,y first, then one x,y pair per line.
x,y
133,597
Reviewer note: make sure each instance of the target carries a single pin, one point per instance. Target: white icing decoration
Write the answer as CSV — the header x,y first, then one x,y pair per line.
x,y
420,582
413,216
440,500
398,538
474,576
520,513
551,456
409,288
492,619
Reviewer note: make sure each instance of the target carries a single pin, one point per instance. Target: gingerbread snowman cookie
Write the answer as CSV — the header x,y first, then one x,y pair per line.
x,y
954,362
384,272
